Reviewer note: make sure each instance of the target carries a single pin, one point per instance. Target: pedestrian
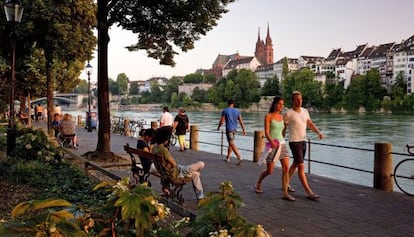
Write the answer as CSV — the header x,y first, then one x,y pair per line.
x,y
57,109
231,115
168,165
39,112
166,118
274,126
36,112
297,119
181,127
167,121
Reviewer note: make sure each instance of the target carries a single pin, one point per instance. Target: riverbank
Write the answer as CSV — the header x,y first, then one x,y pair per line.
x,y
343,209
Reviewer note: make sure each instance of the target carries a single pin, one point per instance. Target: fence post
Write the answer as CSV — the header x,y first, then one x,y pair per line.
x,y
259,145
221,142
154,124
194,137
383,167
79,120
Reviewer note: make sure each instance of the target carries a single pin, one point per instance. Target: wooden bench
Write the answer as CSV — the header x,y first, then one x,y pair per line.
x,y
175,186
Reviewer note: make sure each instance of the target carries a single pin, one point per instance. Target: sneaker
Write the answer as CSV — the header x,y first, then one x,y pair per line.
x,y
200,196
240,161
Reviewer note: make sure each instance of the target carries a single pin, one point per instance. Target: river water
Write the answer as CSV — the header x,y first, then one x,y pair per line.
x,y
356,131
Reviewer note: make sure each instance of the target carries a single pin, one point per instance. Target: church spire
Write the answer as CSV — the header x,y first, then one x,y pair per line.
x,y
268,39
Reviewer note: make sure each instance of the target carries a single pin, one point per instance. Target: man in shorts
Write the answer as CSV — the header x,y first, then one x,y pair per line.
x,y
296,120
231,115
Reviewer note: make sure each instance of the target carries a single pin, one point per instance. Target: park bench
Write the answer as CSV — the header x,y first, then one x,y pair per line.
x,y
175,186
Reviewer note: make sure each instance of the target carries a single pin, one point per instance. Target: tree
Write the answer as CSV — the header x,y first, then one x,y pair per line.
x,y
194,78
122,81
83,87
303,81
57,36
133,88
271,87
160,25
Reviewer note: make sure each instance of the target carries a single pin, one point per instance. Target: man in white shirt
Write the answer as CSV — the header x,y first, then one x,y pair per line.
x,y
297,119
166,118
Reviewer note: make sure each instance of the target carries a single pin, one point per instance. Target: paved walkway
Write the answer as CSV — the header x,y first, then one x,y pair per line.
x,y
343,209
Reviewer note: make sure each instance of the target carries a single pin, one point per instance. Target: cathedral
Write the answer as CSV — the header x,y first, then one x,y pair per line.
x,y
264,50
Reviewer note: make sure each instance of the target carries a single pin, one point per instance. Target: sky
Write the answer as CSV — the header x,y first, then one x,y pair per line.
x,y
297,27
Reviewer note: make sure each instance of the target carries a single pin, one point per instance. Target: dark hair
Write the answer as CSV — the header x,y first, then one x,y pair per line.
x,y
147,132
162,134
166,109
230,101
275,101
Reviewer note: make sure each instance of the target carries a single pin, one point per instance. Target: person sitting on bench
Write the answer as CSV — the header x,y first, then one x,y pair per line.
x,y
67,129
169,167
145,143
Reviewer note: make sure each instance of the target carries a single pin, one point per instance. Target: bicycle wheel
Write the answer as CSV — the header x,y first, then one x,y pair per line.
x,y
404,176
173,139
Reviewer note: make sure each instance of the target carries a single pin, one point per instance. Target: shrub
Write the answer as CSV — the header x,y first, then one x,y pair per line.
x,y
34,145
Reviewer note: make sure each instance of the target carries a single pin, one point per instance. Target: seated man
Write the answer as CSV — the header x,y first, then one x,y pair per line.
x,y
67,129
170,170
56,123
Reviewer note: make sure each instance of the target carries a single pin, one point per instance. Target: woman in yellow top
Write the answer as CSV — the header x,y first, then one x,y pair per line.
x,y
274,126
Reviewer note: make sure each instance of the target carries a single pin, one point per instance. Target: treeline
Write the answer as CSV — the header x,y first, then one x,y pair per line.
x,y
364,92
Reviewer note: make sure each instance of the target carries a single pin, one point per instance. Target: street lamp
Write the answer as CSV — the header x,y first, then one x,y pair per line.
x,y
14,13
89,116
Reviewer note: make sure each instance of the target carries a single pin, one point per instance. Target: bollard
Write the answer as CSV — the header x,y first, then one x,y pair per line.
x,y
79,120
383,167
154,124
259,145
194,137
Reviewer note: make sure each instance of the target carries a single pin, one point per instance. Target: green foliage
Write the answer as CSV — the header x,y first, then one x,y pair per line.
x,y
218,214
165,24
241,86
138,207
194,78
34,145
43,218
271,87
303,81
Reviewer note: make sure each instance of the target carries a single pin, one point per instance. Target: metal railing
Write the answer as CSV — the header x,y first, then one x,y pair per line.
x,y
311,144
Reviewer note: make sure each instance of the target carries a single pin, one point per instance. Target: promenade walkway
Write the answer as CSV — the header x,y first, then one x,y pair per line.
x,y
343,209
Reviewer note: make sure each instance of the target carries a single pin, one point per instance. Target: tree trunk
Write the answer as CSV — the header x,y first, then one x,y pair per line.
x,y
104,135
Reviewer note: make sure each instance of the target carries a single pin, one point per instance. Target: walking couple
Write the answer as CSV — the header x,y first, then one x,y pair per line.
x,y
296,120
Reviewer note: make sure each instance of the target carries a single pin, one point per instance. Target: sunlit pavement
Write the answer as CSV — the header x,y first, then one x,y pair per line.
x,y
343,209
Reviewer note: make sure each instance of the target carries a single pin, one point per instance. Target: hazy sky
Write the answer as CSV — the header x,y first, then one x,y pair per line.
x,y
297,27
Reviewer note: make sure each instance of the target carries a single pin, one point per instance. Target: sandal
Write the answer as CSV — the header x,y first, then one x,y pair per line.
x,y
290,189
258,189
313,197
288,198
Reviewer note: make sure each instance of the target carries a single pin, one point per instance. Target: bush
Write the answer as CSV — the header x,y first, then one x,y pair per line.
x,y
34,145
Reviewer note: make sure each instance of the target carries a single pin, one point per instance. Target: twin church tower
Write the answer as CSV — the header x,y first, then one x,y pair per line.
x,y
264,49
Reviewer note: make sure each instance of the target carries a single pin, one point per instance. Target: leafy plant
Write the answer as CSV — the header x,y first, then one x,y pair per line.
x,y
218,216
43,218
34,144
137,208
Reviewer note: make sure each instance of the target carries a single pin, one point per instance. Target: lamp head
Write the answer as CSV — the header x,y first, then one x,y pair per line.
x,y
13,10
88,69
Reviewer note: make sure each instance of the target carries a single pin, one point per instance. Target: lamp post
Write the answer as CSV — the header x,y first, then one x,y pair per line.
x,y
89,116
14,12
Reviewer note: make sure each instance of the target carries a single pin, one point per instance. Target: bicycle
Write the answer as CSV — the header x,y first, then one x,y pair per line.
x,y
404,173
173,139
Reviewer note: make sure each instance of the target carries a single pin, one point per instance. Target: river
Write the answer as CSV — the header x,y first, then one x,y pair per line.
x,y
357,131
